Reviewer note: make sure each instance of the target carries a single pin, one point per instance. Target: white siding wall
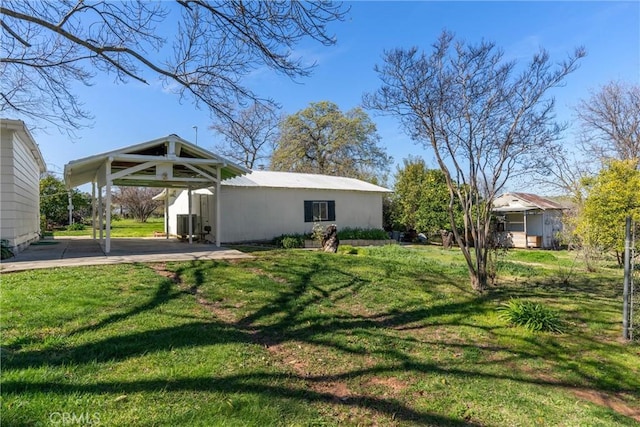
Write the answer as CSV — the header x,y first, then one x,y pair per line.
x,y
20,192
6,186
263,213
179,204
258,213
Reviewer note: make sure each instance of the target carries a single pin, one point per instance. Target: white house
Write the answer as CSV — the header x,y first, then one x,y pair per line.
x,y
264,204
21,165
527,220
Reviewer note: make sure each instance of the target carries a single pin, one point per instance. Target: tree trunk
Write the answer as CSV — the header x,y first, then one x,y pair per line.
x,y
330,240
478,280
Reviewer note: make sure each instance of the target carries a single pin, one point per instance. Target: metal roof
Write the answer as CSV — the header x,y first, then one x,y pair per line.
x,y
270,179
188,161
519,202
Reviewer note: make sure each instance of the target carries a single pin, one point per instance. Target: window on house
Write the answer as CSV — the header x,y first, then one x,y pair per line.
x,y
319,210
515,222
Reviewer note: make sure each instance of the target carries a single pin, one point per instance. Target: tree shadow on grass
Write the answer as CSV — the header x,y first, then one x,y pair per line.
x,y
286,318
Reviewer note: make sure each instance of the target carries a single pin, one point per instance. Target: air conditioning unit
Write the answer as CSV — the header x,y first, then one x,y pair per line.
x,y
183,225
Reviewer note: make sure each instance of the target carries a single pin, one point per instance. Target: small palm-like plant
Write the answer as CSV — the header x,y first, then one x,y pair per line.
x,y
532,316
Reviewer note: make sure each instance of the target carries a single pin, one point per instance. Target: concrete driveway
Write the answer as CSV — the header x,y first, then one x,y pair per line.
x,y
66,252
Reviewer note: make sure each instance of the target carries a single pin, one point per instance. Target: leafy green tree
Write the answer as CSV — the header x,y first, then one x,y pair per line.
x,y
421,198
322,139
54,201
612,196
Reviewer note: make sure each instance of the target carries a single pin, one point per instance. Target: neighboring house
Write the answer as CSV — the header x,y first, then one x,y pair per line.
x,y
263,204
527,221
21,165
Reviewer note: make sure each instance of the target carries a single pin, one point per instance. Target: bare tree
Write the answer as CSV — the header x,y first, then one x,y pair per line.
x,y
610,122
249,134
485,122
138,201
562,171
48,46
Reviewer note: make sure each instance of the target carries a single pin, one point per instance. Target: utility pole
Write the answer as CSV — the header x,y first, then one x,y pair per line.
x,y
196,129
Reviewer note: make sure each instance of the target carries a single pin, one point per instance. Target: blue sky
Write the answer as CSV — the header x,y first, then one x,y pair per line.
x,y
610,32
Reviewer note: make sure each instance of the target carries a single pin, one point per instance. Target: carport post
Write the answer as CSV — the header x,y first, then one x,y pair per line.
x,y
166,212
190,221
93,209
107,245
218,177
100,212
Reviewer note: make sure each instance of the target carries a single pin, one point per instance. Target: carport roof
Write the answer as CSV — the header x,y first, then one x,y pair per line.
x,y
168,162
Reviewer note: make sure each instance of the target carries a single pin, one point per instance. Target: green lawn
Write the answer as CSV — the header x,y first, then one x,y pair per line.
x,y
387,336
121,228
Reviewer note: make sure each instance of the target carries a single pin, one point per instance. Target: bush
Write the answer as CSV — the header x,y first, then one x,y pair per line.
x,y
349,233
532,316
5,251
290,241
76,226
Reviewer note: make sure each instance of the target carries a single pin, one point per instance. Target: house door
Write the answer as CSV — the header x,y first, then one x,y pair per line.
x,y
534,225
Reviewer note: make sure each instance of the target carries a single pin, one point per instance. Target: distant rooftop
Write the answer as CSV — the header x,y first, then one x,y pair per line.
x,y
523,202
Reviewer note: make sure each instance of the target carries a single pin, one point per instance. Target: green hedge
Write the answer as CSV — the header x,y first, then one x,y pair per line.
x,y
349,233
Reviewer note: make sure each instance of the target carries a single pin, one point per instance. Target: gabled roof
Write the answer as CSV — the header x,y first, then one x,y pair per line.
x,y
518,202
180,162
270,179
21,129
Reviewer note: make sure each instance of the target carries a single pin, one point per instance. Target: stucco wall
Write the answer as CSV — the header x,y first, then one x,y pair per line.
x,y
20,199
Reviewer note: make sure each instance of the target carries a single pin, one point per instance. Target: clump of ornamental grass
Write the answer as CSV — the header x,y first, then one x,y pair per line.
x,y
532,316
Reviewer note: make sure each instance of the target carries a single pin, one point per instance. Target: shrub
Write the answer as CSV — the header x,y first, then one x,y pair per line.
x,y
290,241
5,251
532,316
76,226
317,232
349,233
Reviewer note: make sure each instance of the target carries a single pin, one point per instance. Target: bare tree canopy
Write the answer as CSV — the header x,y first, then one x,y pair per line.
x,y
47,46
138,201
486,120
249,134
322,139
610,122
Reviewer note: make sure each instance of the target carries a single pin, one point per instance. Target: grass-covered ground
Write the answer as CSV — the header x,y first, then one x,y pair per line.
x,y
386,336
121,228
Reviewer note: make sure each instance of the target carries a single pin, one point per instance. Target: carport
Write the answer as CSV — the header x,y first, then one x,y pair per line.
x,y
169,162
